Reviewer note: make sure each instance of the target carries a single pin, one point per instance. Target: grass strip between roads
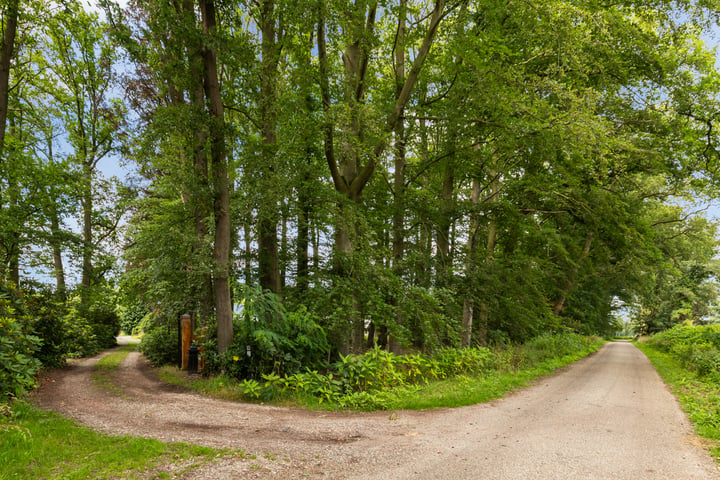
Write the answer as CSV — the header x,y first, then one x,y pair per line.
x,y
699,398
452,392
106,367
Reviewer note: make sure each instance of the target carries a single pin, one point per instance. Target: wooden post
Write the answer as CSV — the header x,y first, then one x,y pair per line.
x,y
186,328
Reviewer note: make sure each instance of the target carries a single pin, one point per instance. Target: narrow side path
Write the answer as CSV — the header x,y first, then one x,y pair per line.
x,y
608,416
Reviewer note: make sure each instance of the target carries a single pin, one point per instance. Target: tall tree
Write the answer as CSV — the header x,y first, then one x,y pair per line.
x,y
349,172
220,180
82,58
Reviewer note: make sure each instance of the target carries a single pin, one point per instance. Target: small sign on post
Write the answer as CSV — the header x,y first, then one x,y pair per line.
x,y
186,332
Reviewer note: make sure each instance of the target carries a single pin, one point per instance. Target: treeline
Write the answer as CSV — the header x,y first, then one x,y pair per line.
x,y
405,174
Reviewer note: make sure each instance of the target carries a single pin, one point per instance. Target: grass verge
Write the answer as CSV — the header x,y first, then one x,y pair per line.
x,y
451,392
698,396
41,445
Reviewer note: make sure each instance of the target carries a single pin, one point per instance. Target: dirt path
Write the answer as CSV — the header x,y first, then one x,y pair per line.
x,y
608,416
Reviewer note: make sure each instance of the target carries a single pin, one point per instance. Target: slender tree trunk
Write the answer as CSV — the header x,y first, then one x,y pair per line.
x,y
559,304
87,231
221,184
303,237
12,244
6,54
59,268
470,266
316,252
269,262
283,249
398,220
444,225
248,254
483,315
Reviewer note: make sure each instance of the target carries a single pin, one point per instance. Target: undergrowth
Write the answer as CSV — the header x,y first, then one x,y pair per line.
x,y
379,380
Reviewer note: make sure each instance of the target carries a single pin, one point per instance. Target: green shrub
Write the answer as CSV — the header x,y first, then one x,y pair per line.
x,y
48,324
130,318
280,342
17,348
697,347
159,344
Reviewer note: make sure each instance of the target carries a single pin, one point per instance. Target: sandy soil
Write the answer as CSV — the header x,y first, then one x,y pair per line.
x,y
608,416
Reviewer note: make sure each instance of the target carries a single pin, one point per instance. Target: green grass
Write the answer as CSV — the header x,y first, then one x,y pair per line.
x,y
106,367
698,396
35,444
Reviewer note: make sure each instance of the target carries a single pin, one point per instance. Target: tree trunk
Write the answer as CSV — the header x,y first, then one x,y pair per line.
x,y
483,314
248,254
398,220
6,54
269,263
55,242
201,180
442,237
283,248
470,266
303,238
221,184
87,267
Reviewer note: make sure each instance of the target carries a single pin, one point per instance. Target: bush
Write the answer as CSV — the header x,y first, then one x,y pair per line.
x,y
48,323
105,324
280,342
697,347
17,346
159,344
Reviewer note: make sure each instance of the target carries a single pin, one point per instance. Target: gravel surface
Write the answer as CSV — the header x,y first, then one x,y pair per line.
x,y
608,416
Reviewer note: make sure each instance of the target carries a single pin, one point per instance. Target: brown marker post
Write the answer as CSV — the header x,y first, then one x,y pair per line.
x,y
186,329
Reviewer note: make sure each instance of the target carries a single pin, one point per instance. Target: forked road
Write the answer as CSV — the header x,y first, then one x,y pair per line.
x,y
608,416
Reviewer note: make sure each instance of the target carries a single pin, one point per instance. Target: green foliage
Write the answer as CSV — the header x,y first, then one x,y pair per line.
x,y
696,347
17,364
130,318
280,342
159,343
90,328
17,346
49,324
380,380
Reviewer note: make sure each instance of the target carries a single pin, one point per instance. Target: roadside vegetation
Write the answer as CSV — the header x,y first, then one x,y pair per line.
x,y
688,360
379,380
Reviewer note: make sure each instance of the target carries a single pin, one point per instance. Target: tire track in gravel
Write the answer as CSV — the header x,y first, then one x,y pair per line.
x,y
608,416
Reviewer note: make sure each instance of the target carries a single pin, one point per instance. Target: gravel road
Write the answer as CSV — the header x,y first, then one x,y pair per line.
x,y
608,416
